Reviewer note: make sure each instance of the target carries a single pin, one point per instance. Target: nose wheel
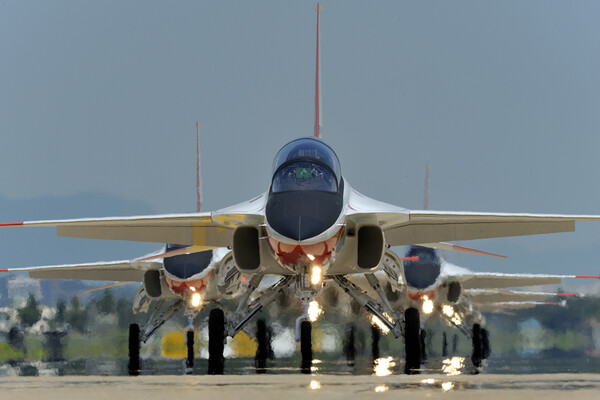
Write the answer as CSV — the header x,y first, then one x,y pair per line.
x,y
189,342
306,346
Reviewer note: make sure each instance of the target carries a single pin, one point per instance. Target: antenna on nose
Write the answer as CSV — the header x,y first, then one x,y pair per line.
x,y
318,124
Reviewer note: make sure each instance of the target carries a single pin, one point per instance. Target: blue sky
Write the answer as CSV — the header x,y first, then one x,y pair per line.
x,y
501,98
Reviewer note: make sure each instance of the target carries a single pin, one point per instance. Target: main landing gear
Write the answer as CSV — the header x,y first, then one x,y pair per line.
x,y
216,341
264,350
481,345
133,366
349,344
412,340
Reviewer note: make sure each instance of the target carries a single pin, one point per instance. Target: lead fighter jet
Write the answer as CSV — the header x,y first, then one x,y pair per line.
x,y
309,225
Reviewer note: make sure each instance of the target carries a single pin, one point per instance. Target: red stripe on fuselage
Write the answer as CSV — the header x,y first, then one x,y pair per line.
x,y
587,276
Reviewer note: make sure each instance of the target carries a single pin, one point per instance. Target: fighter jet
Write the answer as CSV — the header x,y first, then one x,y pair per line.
x,y
309,225
460,296
188,280
428,283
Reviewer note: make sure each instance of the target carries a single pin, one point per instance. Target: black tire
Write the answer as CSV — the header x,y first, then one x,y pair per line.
x,y
133,366
350,344
216,341
412,340
444,345
422,337
477,348
454,343
485,343
306,346
375,336
262,352
189,336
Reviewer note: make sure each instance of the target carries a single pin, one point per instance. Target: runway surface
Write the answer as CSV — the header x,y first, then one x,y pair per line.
x,y
264,387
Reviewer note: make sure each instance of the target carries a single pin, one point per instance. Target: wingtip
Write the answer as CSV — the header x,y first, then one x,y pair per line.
x,y
11,223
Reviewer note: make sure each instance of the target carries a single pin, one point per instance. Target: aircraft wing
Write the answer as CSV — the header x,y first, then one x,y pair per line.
x,y
204,230
480,296
401,226
415,227
486,280
514,305
406,227
119,271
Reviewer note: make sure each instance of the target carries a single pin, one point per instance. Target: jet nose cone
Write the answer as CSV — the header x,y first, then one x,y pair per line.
x,y
300,227
302,215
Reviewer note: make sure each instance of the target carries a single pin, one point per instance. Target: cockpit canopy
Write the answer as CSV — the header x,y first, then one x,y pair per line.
x,y
306,164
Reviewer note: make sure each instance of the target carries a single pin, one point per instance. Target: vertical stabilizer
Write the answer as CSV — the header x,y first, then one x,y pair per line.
x,y
318,81
198,195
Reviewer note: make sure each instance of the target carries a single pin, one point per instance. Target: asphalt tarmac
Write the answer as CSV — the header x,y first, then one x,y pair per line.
x,y
289,387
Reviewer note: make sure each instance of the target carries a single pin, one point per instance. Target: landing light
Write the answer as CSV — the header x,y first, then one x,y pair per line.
x,y
196,299
427,305
379,323
456,320
315,277
314,310
448,310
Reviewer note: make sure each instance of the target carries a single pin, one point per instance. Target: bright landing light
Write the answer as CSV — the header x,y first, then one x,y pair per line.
x,y
448,310
316,275
379,323
427,305
196,299
314,310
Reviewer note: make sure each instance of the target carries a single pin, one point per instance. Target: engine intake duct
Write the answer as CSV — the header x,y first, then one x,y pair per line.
x,y
152,283
370,247
246,248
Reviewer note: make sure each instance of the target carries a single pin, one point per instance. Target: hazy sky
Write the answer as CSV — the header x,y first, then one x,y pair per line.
x,y
502,98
